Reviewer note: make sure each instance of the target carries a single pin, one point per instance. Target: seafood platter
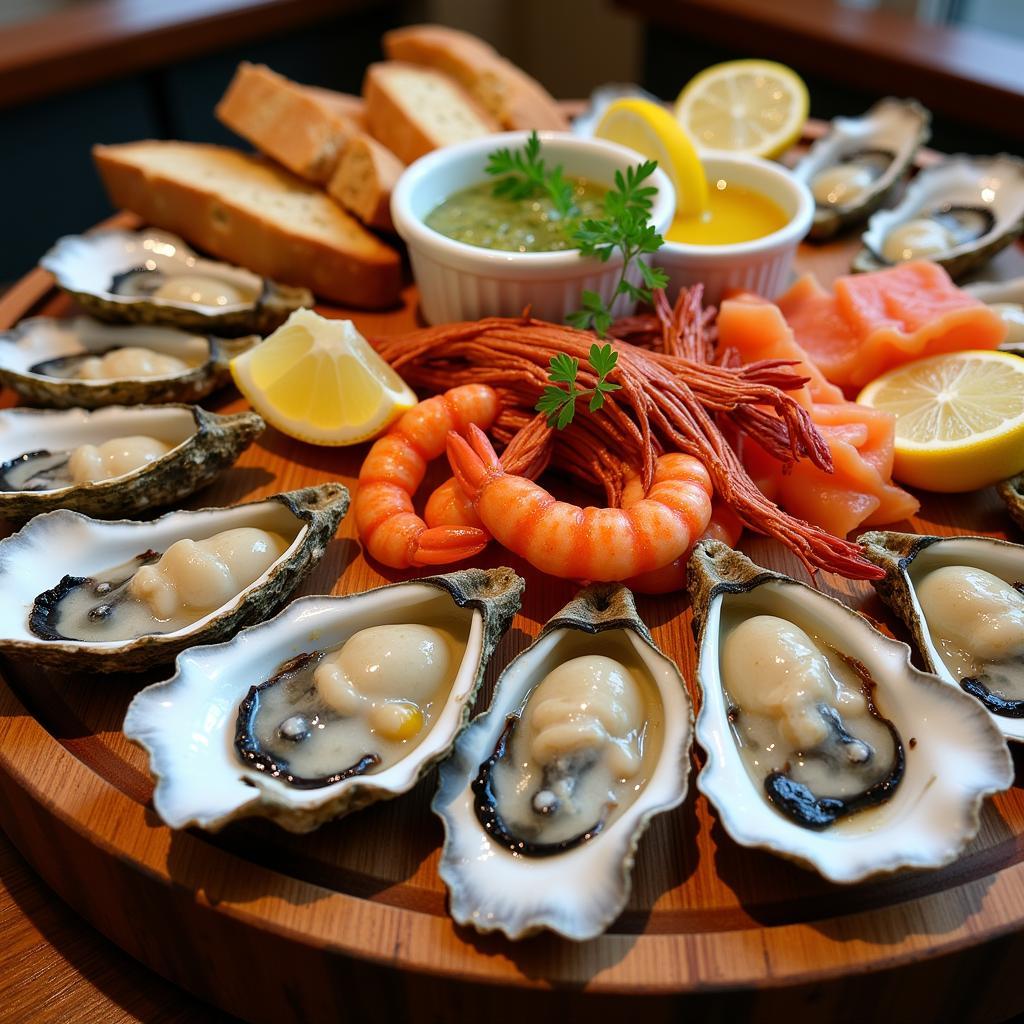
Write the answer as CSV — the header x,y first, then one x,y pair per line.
x,y
627,605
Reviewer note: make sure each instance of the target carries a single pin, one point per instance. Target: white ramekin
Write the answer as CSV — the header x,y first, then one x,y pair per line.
x,y
762,265
466,282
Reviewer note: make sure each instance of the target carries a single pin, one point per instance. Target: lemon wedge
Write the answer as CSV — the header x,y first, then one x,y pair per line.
x,y
654,133
753,107
959,418
320,381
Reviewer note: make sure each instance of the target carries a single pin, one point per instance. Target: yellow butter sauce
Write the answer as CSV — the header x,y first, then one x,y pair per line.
x,y
734,214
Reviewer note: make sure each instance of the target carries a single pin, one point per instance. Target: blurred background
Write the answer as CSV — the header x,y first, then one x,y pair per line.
x,y
75,72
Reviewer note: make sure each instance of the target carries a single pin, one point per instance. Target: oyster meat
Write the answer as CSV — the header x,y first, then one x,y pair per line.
x,y
83,363
961,598
1007,299
335,703
824,744
116,460
153,277
958,213
123,595
548,792
861,161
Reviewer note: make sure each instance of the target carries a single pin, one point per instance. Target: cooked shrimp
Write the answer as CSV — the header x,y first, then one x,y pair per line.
x,y
649,531
449,506
393,470
724,525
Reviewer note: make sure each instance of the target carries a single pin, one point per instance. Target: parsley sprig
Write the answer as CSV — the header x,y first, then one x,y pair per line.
x,y
624,228
558,403
523,175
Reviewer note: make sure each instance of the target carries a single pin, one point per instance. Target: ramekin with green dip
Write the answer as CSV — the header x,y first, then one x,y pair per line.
x,y
505,258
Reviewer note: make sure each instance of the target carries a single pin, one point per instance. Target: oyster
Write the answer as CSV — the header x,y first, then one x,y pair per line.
x,y
1007,299
860,162
53,363
959,214
548,792
123,595
274,744
114,461
1012,493
960,598
153,277
866,765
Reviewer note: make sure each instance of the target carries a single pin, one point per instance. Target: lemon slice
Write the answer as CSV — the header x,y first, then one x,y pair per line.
x,y
755,107
320,381
959,418
654,133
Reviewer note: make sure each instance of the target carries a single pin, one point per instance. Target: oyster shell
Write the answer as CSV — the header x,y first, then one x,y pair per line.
x,y
860,162
153,277
211,783
38,357
909,560
65,551
1012,493
959,214
573,875
953,755
36,445
1007,299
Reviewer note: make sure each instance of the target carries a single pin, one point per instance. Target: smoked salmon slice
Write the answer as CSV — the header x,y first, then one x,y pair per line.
x,y
872,322
860,491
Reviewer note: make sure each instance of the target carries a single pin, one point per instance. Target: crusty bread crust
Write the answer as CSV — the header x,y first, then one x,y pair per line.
x,y
296,127
363,180
342,104
397,121
311,242
511,96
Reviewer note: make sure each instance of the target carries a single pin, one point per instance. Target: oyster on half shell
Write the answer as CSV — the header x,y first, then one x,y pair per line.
x,y
52,459
63,363
547,793
311,759
861,161
958,213
961,599
153,277
865,765
96,595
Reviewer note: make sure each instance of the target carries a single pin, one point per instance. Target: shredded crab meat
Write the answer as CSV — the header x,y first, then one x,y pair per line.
x,y
673,397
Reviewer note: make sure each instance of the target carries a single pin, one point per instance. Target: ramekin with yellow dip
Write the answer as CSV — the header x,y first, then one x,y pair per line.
x,y
757,215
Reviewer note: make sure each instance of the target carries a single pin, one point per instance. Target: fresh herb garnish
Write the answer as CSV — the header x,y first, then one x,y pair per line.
x,y
626,228
558,403
525,175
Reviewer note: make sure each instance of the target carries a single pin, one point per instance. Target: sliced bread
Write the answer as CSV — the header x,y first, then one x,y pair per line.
x,y
363,180
248,211
510,95
342,104
413,110
298,127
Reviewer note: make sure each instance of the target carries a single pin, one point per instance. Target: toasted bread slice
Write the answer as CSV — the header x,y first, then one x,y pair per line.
x,y
510,95
363,180
342,104
293,124
413,110
245,210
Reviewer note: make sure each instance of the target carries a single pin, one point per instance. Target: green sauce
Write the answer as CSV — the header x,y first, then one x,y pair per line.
x,y
477,217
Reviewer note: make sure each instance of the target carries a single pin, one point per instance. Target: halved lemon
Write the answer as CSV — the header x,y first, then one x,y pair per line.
x,y
654,133
320,381
753,107
959,418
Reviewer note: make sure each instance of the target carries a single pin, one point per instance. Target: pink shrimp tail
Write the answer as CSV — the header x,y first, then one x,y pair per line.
x,y
472,459
442,544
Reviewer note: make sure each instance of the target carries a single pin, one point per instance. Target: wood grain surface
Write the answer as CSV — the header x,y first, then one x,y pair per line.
x,y
350,922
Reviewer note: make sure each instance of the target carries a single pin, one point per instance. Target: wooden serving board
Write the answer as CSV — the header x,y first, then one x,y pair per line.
x,y
350,923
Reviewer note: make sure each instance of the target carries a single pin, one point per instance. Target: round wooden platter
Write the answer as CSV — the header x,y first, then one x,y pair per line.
x,y
350,922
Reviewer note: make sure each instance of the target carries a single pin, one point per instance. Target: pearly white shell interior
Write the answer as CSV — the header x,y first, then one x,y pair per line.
x,y
25,430
88,263
42,338
576,893
63,543
188,723
1004,561
954,754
